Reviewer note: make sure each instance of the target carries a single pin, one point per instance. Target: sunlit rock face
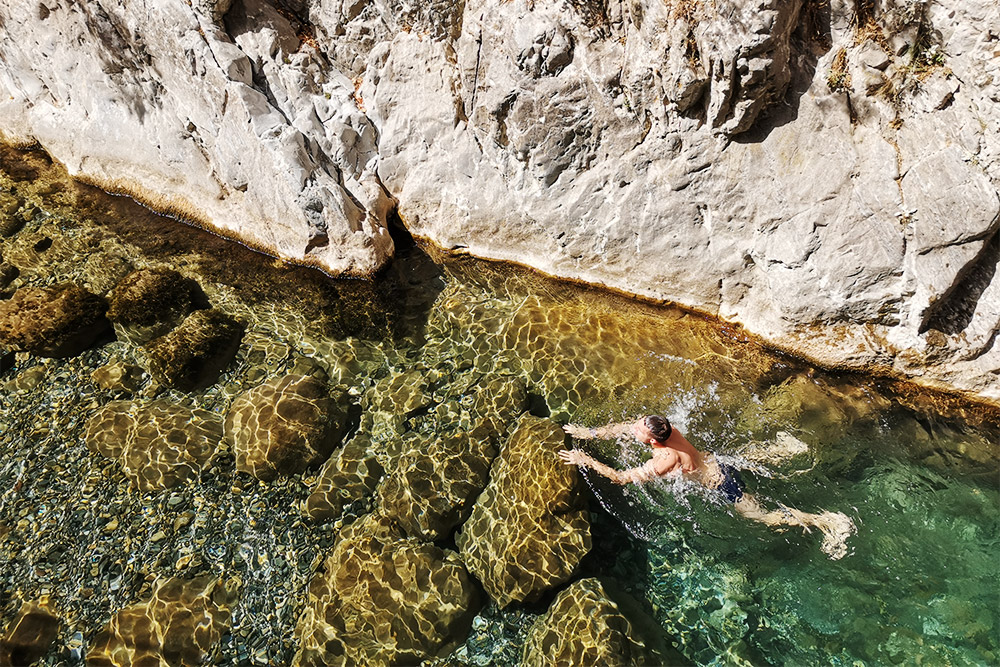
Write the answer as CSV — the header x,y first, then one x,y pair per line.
x,y
530,528
583,626
825,175
223,112
181,624
385,599
58,321
285,426
158,444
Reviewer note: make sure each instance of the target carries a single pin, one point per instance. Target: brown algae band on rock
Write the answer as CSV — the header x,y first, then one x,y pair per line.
x,y
59,321
530,528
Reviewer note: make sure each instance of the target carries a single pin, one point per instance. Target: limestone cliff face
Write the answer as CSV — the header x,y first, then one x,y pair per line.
x,y
824,173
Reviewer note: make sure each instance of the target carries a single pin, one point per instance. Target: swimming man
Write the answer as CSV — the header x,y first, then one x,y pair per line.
x,y
674,455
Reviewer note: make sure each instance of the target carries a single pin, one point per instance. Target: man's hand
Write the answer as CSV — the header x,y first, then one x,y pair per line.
x,y
573,457
579,432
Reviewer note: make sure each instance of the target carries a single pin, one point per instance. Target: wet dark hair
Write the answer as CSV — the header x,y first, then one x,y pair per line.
x,y
659,427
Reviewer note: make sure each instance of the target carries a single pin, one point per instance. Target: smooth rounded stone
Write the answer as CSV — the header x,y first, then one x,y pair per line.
x,y
285,426
385,599
583,626
530,528
118,376
159,444
434,484
27,379
194,354
181,624
59,321
349,476
150,302
29,635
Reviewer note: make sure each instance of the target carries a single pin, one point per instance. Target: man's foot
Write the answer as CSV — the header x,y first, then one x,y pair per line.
x,y
836,527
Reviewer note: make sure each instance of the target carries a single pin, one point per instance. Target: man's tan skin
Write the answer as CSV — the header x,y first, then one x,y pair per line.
x,y
676,456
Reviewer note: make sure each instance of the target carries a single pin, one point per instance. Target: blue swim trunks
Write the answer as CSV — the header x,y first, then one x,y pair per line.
x,y
732,483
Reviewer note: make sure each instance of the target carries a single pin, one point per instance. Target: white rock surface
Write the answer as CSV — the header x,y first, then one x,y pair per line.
x,y
828,180
215,118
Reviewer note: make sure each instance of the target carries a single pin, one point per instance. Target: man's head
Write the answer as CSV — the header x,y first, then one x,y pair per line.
x,y
652,430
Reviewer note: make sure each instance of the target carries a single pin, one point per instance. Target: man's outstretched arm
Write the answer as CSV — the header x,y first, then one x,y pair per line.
x,y
643,473
591,432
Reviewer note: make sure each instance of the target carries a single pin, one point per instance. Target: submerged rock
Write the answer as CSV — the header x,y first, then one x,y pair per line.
x,y
118,376
385,599
28,636
347,477
181,624
434,483
285,426
59,321
150,302
194,354
583,626
159,444
8,274
530,528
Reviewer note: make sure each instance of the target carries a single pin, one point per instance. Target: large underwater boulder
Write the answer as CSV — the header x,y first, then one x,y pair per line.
x,y
194,354
285,426
181,624
159,444
530,528
385,599
59,321
584,626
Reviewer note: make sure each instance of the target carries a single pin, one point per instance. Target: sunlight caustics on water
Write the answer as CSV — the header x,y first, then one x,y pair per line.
x,y
919,584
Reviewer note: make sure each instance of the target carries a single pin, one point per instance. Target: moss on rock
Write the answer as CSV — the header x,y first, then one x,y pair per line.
x,y
194,354
59,321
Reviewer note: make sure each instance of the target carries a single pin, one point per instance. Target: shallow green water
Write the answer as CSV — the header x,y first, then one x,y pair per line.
x,y
920,584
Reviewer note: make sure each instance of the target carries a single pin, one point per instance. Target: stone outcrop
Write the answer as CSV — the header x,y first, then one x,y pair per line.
x,y
150,302
432,486
530,528
349,476
194,354
29,635
181,624
285,426
825,175
385,599
583,626
60,321
158,444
